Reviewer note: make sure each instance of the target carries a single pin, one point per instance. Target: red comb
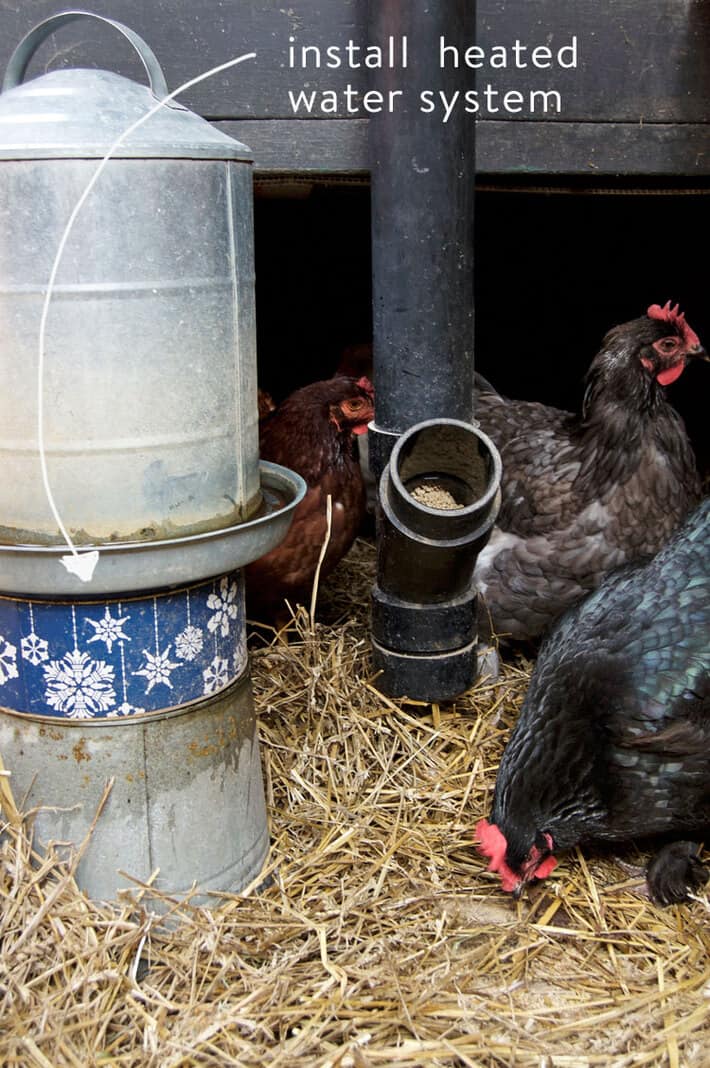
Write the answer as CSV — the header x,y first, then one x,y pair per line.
x,y
492,844
676,317
366,384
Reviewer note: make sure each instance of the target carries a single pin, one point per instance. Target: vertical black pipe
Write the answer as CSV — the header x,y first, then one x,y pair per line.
x,y
422,220
424,634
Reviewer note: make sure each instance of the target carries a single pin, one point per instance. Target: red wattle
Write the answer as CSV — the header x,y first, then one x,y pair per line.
x,y
671,373
544,869
492,843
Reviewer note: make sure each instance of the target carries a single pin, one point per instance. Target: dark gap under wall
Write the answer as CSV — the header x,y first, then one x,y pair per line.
x,y
554,271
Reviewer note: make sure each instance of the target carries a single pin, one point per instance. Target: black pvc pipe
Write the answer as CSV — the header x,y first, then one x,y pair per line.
x,y
439,499
424,635
439,496
422,223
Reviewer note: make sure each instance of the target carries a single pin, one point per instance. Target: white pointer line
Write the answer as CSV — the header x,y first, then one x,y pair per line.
x,y
82,564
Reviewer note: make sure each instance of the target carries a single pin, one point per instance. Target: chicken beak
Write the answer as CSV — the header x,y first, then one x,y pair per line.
x,y
518,890
699,353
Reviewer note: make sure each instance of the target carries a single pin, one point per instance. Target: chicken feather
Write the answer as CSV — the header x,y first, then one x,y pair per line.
x,y
312,432
584,493
613,738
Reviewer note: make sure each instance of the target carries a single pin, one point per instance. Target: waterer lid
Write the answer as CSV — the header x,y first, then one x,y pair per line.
x,y
80,113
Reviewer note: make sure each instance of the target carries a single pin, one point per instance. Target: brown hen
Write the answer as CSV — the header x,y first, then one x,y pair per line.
x,y
313,433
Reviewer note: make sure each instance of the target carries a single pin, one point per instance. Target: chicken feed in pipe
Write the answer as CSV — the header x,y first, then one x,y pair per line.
x,y
439,497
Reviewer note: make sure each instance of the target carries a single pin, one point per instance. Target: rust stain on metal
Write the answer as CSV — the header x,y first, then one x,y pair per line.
x,y
197,750
228,732
52,733
80,752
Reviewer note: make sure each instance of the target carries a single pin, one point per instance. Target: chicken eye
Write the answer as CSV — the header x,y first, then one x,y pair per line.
x,y
355,405
668,344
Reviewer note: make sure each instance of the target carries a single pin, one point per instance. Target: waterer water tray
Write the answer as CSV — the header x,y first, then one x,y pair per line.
x,y
35,570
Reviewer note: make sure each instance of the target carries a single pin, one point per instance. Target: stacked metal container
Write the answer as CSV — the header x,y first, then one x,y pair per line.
x,y
133,431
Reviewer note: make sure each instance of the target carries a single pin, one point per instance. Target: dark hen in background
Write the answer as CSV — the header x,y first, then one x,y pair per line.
x,y
583,494
312,432
613,739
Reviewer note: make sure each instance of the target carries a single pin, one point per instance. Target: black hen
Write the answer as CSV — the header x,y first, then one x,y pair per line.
x,y
613,739
583,494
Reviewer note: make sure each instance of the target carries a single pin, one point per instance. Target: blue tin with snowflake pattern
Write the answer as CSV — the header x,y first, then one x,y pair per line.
x,y
138,419
105,659
152,694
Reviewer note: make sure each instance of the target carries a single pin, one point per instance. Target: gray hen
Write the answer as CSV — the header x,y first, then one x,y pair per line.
x,y
583,494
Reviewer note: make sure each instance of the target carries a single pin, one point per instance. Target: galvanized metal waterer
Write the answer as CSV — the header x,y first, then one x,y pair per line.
x,y
149,417
149,408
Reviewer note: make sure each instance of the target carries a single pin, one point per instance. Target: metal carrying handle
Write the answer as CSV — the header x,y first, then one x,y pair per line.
x,y
20,58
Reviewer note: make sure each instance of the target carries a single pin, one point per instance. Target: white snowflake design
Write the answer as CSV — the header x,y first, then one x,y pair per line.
x,y
157,669
8,661
224,605
125,709
34,649
79,686
108,629
240,655
188,643
216,676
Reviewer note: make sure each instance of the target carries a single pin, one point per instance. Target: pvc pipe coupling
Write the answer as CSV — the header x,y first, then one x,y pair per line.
x,y
439,497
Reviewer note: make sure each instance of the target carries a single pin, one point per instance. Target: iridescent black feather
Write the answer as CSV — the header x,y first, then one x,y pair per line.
x,y
613,739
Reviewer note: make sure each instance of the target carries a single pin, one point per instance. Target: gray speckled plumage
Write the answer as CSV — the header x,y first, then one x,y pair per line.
x,y
584,494
613,739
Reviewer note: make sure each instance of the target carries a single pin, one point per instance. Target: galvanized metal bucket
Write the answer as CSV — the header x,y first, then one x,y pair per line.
x,y
151,447
152,694
150,413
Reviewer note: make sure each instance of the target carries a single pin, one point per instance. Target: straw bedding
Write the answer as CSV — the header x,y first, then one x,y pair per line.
x,y
380,939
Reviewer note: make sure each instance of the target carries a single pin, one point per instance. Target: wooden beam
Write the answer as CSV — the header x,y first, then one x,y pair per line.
x,y
339,147
637,101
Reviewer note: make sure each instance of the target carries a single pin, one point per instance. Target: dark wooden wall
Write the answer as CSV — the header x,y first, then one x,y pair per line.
x,y
554,271
578,226
639,102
